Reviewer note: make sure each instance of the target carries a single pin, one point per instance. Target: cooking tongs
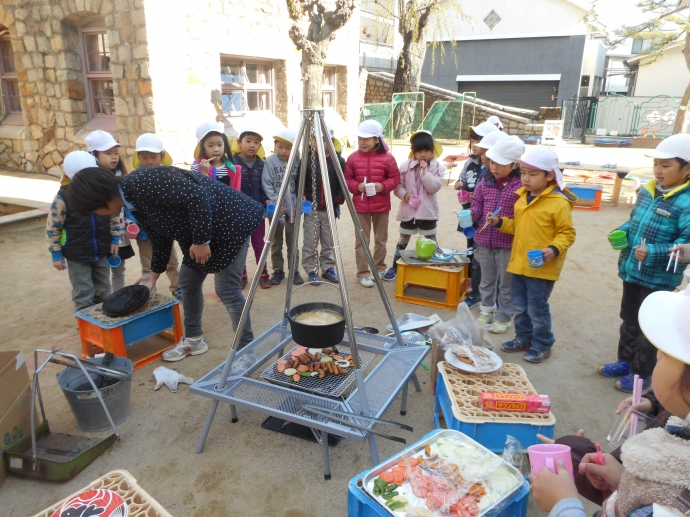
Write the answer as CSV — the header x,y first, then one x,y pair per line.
x,y
329,413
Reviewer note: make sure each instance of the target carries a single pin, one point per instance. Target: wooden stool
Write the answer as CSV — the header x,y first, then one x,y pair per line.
x,y
100,333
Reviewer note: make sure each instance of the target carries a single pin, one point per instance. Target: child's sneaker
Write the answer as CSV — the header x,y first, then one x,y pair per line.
x,y
367,281
177,294
472,300
277,277
264,281
297,279
243,282
498,327
330,275
186,346
485,318
626,383
391,274
536,356
313,277
617,369
514,345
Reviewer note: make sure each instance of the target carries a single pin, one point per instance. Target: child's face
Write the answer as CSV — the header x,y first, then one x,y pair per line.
x,y
109,159
213,147
283,150
424,154
666,384
367,144
482,156
669,173
149,159
500,171
535,180
474,150
249,145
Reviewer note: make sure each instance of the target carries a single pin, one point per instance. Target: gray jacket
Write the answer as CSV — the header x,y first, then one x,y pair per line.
x,y
272,179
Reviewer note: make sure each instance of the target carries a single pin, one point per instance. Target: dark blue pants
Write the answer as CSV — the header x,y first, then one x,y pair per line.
x,y
532,313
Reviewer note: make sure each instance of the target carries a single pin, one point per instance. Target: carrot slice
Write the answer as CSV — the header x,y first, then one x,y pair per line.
x,y
296,377
281,361
386,476
302,368
281,368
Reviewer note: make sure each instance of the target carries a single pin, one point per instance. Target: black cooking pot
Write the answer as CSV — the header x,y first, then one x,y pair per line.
x,y
316,336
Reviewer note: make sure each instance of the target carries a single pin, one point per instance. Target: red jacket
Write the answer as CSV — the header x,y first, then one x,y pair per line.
x,y
376,168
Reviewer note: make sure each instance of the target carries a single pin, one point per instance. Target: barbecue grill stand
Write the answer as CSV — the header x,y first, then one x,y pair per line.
x,y
373,395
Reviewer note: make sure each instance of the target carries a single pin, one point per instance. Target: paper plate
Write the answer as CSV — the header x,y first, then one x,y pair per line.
x,y
455,361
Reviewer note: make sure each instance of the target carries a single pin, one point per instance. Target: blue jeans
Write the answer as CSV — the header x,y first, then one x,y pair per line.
x,y
532,313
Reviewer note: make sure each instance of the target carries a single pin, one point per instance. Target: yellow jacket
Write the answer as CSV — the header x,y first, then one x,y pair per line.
x,y
546,221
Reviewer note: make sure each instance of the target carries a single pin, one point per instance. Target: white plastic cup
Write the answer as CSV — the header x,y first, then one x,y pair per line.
x,y
370,189
621,428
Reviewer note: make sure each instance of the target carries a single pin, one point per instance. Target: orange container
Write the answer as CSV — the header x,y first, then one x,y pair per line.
x,y
440,287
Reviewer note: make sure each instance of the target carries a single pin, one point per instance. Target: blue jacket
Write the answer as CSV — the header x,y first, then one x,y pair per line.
x,y
251,179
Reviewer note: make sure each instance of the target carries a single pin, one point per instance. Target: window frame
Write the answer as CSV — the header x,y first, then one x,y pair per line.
x,y
6,77
90,28
245,88
330,89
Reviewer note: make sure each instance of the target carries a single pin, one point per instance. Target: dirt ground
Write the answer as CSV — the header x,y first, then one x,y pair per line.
x,y
246,470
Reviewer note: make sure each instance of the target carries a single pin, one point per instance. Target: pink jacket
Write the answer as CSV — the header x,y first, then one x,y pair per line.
x,y
432,181
376,168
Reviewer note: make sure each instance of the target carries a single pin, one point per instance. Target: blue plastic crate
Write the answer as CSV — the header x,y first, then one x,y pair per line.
x,y
359,504
491,434
531,140
583,190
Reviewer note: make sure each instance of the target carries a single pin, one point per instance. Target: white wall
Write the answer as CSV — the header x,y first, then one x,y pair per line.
x,y
668,75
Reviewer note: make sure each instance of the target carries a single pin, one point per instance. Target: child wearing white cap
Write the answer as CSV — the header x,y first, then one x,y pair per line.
x,y
213,155
81,243
542,225
661,216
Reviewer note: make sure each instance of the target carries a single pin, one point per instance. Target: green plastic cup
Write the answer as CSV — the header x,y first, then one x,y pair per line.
x,y
618,239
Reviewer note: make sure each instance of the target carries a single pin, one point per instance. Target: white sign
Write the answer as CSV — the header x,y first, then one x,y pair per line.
x,y
553,131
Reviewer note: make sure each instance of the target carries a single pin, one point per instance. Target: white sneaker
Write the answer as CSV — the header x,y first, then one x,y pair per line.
x,y
186,346
498,327
485,318
367,281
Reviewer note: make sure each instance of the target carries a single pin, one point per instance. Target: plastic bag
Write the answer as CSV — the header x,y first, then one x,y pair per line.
x,y
461,330
514,454
243,363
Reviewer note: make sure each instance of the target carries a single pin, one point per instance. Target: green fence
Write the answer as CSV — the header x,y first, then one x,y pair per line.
x,y
624,116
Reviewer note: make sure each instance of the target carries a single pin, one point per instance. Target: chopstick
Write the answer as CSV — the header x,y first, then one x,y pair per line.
x,y
492,215
361,198
675,254
643,244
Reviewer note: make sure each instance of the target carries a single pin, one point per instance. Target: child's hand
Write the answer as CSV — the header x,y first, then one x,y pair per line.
x,y
204,167
423,164
471,197
641,253
645,405
548,254
492,219
677,249
407,198
60,265
379,187
549,488
458,185
361,187
268,202
114,250
282,211
603,477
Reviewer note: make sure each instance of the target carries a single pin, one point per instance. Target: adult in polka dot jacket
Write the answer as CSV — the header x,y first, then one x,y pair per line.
x,y
177,205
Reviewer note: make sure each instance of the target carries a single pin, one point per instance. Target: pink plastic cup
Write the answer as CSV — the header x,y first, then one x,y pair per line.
x,y
414,201
132,231
463,196
548,455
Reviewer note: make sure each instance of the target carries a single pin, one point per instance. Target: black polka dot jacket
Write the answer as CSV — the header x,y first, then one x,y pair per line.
x,y
177,205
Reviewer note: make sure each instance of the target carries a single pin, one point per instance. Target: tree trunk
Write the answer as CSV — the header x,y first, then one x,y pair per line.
x,y
410,61
312,75
681,114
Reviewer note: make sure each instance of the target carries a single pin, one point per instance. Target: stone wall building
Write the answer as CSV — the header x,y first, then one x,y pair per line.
x,y
69,67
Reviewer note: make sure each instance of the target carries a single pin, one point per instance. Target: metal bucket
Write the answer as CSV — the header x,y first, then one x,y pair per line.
x,y
85,404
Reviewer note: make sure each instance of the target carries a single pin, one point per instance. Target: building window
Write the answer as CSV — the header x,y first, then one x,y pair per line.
x,y
377,31
99,78
10,86
246,85
328,88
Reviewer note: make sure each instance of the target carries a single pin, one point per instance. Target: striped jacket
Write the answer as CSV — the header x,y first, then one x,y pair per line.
x,y
487,198
664,220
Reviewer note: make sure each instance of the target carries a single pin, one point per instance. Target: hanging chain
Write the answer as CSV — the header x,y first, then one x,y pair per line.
x,y
314,203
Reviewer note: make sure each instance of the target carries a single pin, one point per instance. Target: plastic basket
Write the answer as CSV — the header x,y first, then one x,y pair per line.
x,y
140,503
457,400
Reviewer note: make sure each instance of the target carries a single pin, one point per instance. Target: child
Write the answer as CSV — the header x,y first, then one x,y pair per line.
x,y
212,155
316,226
372,164
249,143
149,152
661,215
497,191
106,150
81,243
420,176
543,221
271,181
652,478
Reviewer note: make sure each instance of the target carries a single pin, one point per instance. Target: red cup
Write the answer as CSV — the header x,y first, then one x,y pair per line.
x,y
463,196
132,231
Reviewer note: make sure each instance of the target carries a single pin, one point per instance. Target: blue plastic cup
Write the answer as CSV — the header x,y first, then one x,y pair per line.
x,y
469,231
465,218
114,261
306,207
270,210
535,258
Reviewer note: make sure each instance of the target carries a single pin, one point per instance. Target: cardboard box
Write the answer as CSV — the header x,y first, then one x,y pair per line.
x,y
15,403
514,402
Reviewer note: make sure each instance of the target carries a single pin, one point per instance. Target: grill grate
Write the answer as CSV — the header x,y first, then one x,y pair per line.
x,y
95,312
330,386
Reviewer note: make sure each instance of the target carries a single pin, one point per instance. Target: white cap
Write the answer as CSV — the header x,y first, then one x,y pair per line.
x,y
100,141
493,119
250,129
149,142
76,161
483,129
209,127
370,129
544,159
665,319
286,135
676,146
489,140
506,150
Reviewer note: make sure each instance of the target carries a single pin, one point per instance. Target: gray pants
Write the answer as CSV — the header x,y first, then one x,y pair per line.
x,y
495,284
326,257
277,245
118,276
227,284
90,282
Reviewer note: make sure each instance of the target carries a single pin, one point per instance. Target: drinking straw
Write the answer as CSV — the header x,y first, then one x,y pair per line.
x,y
361,198
675,265
639,262
670,259
637,395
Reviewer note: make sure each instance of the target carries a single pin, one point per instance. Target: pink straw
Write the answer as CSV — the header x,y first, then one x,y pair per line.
x,y
637,397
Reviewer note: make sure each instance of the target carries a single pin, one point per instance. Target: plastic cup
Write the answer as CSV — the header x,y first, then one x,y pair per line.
x,y
370,189
618,239
469,232
306,207
463,196
621,428
114,261
270,210
415,201
132,231
465,218
535,258
548,455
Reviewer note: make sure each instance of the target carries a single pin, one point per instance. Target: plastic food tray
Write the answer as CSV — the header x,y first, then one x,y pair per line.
x,y
140,503
457,399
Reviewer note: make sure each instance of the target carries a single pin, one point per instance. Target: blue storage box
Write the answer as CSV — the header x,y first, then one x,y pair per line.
x,y
532,140
584,190
482,426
